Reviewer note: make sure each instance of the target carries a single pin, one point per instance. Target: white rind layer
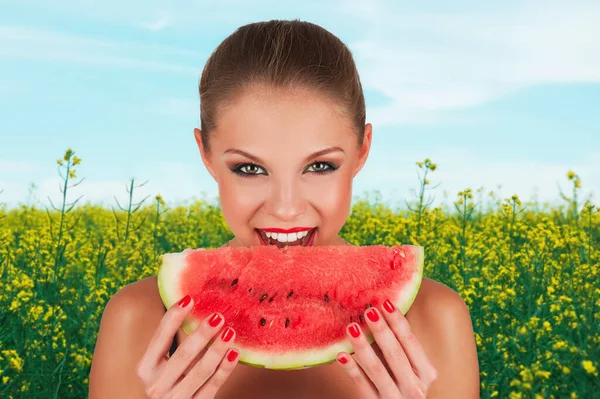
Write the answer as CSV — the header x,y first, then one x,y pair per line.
x,y
169,273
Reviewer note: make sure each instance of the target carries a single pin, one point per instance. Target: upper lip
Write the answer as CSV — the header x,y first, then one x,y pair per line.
x,y
292,230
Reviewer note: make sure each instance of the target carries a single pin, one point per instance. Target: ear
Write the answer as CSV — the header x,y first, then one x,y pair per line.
x,y
205,156
365,148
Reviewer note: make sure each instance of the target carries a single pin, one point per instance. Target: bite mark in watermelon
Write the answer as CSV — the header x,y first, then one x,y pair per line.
x,y
290,306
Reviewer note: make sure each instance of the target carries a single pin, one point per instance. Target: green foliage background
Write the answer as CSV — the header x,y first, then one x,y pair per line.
x,y
529,273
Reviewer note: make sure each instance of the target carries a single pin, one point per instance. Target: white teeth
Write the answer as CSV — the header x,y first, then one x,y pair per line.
x,y
289,237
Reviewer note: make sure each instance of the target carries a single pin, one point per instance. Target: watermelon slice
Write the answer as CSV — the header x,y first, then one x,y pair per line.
x,y
290,305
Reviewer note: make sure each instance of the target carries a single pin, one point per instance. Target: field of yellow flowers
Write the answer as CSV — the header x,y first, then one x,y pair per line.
x,y
530,275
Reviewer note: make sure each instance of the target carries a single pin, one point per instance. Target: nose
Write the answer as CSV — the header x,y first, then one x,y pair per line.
x,y
286,201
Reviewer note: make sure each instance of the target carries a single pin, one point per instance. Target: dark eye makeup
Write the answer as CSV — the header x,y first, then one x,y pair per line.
x,y
249,169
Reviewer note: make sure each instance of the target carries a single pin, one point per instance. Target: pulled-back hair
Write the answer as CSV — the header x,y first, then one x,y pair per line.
x,y
281,54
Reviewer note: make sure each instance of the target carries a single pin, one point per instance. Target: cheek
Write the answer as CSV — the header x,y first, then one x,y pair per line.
x,y
238,200
333,201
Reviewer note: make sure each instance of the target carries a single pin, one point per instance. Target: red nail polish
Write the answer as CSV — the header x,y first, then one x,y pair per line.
x,y
387,305
343,360
214,320
354,330
227,335
232,356
372,315
184,301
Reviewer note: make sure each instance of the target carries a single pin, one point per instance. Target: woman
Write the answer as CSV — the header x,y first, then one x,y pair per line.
x,y
283,134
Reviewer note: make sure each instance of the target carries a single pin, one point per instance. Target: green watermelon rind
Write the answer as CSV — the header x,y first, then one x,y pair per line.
x,y
168,275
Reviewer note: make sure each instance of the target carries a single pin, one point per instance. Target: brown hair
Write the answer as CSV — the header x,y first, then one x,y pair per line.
x,y
280,54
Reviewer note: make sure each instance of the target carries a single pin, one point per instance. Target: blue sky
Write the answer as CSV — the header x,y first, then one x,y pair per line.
x,y
496,93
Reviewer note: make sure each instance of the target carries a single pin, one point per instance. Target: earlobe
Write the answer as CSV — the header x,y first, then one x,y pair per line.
x,y
203,154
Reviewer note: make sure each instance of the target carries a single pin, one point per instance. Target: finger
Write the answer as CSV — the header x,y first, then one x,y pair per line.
x,y
409,384
214,383
185,354
362,383
370,363
162,338
415,353
205,367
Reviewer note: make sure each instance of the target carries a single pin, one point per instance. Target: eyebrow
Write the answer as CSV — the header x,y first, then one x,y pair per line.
x,y
311,156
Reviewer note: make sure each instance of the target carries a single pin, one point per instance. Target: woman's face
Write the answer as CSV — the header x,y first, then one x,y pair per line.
x,y
284,161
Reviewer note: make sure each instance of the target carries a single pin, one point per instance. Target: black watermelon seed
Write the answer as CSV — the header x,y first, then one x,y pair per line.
x,y
271,299
368,306
290,294
249,289
262,298
362,319
326,298
287,323
234,282
263,322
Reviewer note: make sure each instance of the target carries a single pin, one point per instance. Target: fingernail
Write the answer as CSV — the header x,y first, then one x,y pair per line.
x,y
227,335
354,330
232,356
214,320
342,359
387,305
373,315
184,301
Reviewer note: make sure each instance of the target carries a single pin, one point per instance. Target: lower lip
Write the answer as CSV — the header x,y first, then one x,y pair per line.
x,y
308,243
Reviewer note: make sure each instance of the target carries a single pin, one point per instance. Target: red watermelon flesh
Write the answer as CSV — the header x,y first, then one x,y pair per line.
x,y
289,306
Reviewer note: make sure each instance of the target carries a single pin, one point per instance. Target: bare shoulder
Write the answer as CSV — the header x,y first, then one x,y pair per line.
x,y
128,323
442,323
434,296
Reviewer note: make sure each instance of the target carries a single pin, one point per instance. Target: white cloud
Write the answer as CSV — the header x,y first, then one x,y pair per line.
x,y
431,62
178,107
9,167
395,175
427,62
175,181
159,24
47,45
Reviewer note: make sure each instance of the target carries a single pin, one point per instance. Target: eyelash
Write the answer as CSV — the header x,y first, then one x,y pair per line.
x,y
237,169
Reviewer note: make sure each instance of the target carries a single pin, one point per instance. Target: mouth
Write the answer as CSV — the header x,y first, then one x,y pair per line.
x,y
304,238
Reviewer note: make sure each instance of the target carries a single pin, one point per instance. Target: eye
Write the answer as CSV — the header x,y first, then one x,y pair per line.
x,y
247,170
322,167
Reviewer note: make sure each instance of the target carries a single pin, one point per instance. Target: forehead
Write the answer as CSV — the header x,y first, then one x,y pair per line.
x,y
262,118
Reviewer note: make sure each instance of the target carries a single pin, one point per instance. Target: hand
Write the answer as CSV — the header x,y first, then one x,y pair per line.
x,y
165,377
410,371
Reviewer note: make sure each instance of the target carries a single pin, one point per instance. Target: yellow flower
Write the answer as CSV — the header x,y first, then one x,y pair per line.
x,y
589,367
68,154
523,330
566,370
14,360
542,374
560,345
